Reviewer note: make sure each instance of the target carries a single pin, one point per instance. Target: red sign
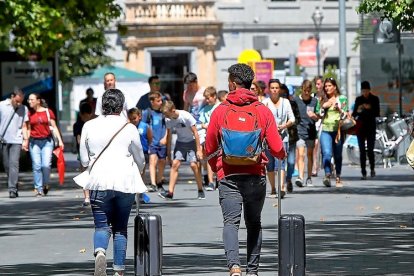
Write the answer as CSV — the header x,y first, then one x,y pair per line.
x,y
307,52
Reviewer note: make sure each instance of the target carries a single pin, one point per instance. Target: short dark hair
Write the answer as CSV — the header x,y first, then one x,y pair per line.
x,y
242,74
85,108
154,77
89,90
112,101
190,77
365,85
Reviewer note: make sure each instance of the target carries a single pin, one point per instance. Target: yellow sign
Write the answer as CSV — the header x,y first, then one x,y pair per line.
x,y
249,55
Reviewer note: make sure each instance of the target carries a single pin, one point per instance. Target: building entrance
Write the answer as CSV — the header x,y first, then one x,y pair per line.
x,y
171,67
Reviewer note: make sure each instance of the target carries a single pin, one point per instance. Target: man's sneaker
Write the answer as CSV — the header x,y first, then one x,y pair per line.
x,y
235,271
327,181
165,195
100,264
210,187
201,195
373,173
160,188
13,194
151,188
299,182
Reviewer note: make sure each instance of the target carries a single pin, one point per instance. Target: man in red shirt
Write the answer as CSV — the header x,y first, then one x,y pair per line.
x,y
242,184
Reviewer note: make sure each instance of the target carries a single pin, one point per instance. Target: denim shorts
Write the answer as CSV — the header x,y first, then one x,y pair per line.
x,y
308,143
160,151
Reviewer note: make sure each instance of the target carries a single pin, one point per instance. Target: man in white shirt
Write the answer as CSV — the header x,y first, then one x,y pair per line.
x,y
110,82
13,129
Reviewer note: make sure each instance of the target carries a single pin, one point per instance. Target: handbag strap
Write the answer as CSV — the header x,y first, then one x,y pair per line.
x,y
107,145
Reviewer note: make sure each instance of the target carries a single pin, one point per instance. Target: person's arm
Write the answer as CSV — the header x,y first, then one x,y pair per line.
x,y
56,131
376,107
168,133
26,135
149,134
83,150
212,140
273,139
135,147
199,152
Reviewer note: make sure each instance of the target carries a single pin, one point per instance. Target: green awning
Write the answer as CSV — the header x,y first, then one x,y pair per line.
x,y
120,73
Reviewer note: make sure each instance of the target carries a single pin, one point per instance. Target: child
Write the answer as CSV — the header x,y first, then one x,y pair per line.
x,y
187,146
210,95
85,114
222,95
157,148
145,135
145,132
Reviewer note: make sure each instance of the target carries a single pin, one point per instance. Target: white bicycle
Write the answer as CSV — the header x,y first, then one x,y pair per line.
x,y
385,146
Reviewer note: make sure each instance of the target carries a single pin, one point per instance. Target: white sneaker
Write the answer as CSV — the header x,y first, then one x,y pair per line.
x,y
100,264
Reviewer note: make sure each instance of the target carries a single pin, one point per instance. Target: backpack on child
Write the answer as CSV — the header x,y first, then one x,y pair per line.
x,y
240,135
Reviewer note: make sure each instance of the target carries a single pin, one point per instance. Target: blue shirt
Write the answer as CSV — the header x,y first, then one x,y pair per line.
x,y
155,119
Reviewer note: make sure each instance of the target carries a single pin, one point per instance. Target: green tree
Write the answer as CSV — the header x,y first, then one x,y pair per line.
x,y
399,11
74,29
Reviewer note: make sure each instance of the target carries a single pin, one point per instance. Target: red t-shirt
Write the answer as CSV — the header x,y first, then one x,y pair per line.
x,y
39,125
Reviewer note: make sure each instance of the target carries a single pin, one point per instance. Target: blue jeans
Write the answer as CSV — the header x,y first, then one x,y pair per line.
x,y
329,148
291,161
111,211
249,192
274,163
11,156
41,151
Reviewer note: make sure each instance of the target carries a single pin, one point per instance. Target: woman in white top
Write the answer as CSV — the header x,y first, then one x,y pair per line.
x,y
114,179
283,114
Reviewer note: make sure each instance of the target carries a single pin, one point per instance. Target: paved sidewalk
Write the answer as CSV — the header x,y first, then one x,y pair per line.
x,y
365,228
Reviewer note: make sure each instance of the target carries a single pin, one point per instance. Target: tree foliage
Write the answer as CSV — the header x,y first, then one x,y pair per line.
x,y
75,29
401,12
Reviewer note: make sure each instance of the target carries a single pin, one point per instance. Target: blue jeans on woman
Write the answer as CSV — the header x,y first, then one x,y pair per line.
x,y
237,192
41,151
291,161
111,211
329,148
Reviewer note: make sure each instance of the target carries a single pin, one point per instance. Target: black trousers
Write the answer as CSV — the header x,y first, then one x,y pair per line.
x,y
369,137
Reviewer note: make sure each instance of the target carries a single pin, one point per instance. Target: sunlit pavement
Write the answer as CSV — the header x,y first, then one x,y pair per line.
x,y
364,228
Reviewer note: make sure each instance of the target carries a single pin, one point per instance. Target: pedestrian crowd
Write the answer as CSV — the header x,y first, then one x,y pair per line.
x,y
293,130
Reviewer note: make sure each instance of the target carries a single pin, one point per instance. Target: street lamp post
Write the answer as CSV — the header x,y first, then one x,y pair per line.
x,y
317,18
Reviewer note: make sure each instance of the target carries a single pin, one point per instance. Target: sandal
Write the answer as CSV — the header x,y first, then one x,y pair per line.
x,y
338,183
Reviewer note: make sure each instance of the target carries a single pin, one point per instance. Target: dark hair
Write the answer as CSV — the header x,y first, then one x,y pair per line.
x,y
275,81
333,82
241,74
18,92
365,85
262,85
222,93
85,108
109,73
190,77
89,90
43,103
112,102
154,77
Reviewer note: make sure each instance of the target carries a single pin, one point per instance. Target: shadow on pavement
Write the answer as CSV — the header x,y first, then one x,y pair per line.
x,y
84,268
